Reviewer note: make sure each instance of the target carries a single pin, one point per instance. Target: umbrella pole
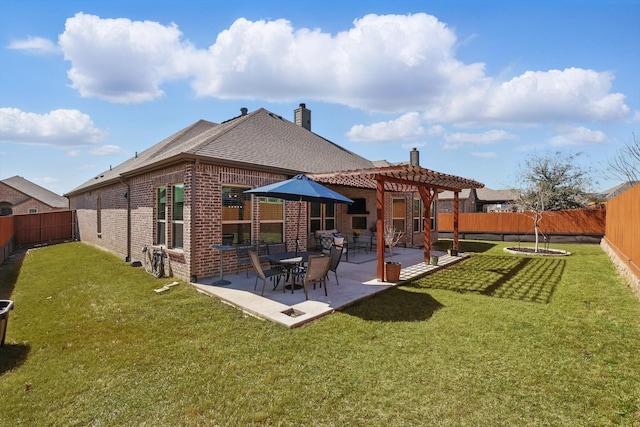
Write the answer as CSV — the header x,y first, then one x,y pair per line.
x,y
298,227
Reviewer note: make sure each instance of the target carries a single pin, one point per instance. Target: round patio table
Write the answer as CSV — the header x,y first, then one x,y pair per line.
x,y
290,260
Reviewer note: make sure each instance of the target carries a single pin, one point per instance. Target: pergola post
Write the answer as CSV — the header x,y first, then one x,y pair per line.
x,y
427,196
456,209
380,229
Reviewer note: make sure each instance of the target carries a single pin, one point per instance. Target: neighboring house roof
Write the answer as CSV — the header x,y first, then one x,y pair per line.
x,y
260,140
448,195
615,191
36,192
483,195
489,195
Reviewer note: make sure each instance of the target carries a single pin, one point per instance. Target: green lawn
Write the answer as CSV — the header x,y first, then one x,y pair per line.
x,y
497,340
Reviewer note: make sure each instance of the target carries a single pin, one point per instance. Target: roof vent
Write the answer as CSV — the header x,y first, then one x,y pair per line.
x,y
414,157
243,111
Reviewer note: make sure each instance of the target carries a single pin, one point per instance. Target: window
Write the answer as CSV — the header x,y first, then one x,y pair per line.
x,y
359,222
399,214
99,215
359,206
161,216
271,219
33,210
236,215
177,215
321,216
418,216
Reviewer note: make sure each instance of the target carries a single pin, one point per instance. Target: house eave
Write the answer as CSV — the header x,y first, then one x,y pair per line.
x,y
171,161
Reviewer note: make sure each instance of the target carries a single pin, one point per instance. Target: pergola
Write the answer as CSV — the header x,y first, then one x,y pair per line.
x,y
402,178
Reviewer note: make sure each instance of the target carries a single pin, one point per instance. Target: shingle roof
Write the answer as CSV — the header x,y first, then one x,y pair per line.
x,y
35,191
259,140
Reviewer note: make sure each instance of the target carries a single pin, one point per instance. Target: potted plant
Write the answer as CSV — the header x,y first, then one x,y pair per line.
x,y
392,268
452,251
356,235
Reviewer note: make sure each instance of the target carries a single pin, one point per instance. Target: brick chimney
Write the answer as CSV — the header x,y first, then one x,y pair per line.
x,y
414,157
302,117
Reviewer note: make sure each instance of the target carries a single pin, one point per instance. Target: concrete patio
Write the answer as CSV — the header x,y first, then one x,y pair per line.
x,y
357,281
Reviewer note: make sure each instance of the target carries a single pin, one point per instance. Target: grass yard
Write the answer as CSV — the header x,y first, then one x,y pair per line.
x,y
497,340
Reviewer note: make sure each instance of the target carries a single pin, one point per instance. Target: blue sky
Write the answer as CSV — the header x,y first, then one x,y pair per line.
x,y
476,86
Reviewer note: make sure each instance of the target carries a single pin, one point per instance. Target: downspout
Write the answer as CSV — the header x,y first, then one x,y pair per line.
x,y
192,227
127,195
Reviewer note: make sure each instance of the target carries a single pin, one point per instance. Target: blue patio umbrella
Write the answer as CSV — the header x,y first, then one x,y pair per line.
x,y
300,188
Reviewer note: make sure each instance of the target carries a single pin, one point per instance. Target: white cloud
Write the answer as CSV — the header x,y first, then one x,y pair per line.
x,y
408,125
535,97
484,155
61,128
121,60
573,136
387,63
457,140
636,116
105,150
37,45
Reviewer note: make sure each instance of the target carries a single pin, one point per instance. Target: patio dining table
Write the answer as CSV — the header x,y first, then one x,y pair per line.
x,y
289,261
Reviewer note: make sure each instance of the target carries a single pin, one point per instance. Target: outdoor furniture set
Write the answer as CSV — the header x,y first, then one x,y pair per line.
x,y
309,267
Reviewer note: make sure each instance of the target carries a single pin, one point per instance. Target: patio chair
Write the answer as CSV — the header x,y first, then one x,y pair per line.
x,y
270,273
336,256
262,249
316,271
326,242
276,248
242,258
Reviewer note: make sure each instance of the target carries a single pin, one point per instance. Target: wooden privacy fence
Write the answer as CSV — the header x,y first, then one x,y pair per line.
x,y
46,227
584,222
623,227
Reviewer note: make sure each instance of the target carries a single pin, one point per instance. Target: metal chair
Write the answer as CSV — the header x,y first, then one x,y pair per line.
x,y
336,256
316,271
242,258
326,242
269,273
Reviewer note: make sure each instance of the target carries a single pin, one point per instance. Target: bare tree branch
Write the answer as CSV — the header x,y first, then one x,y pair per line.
x,y
625,165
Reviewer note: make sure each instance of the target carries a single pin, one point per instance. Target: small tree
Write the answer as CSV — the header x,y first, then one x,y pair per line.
x,y
391,238
550,182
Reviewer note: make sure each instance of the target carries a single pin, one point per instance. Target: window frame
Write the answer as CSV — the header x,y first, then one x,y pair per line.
x,y
397,219
245,221
177,222
160,233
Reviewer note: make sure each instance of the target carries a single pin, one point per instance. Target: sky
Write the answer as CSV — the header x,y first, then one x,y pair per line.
x,y
478,87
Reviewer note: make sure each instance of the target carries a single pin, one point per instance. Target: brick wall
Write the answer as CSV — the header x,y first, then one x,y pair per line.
x,y
202,215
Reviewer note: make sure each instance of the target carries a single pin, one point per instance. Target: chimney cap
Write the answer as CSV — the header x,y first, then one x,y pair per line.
x,y
303,105
244,111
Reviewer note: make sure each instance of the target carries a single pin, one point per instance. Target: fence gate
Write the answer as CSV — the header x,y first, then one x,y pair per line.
x,y
45,227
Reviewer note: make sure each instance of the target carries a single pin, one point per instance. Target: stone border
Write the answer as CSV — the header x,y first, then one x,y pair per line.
x,y
623,269
556,252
